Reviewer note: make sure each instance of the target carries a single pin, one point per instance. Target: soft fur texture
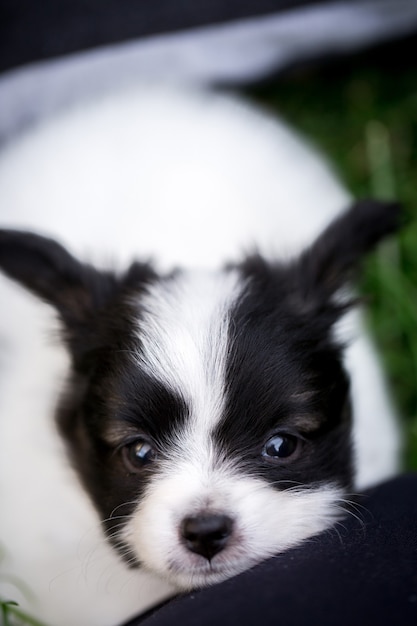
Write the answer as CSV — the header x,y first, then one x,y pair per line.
x,y
212,406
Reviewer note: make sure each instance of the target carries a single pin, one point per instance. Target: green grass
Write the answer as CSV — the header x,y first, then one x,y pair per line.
x,y
363,115
11,615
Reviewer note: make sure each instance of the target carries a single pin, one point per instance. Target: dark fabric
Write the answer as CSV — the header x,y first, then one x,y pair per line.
x,y
33,31
362,572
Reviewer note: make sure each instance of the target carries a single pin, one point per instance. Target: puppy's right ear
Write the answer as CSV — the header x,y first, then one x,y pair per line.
x,y
76,290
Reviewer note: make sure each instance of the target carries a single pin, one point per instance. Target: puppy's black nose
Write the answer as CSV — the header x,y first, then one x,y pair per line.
x,y
206,534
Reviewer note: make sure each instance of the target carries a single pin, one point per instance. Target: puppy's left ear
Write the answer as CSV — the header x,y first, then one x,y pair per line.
x,y
327,265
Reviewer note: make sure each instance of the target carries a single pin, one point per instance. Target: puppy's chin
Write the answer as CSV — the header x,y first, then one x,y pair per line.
x,y
187,576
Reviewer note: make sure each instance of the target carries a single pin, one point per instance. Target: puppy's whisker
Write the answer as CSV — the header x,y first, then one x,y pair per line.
x,y
130,503
355,504
356,517
117,517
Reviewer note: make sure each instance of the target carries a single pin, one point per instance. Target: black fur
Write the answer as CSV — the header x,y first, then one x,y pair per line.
x,y
285,371
285,375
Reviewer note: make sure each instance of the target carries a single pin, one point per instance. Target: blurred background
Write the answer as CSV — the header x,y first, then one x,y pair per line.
x,y
344,73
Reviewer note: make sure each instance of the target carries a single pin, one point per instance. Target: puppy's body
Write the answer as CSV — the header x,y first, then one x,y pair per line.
x,y
193,181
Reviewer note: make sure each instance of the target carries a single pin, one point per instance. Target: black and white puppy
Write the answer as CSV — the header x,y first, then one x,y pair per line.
x,y
214,412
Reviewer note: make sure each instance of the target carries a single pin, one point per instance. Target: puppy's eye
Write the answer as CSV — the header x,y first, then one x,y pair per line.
x,y
138,454
281,447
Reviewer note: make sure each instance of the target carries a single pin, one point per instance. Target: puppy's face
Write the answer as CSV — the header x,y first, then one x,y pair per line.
x,y
207,413
214,426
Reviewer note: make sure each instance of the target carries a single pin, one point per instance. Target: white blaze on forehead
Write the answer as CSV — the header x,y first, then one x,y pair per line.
x,y
183,330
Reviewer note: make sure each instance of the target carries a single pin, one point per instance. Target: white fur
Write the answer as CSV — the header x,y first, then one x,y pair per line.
x,y
192,180
184,340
